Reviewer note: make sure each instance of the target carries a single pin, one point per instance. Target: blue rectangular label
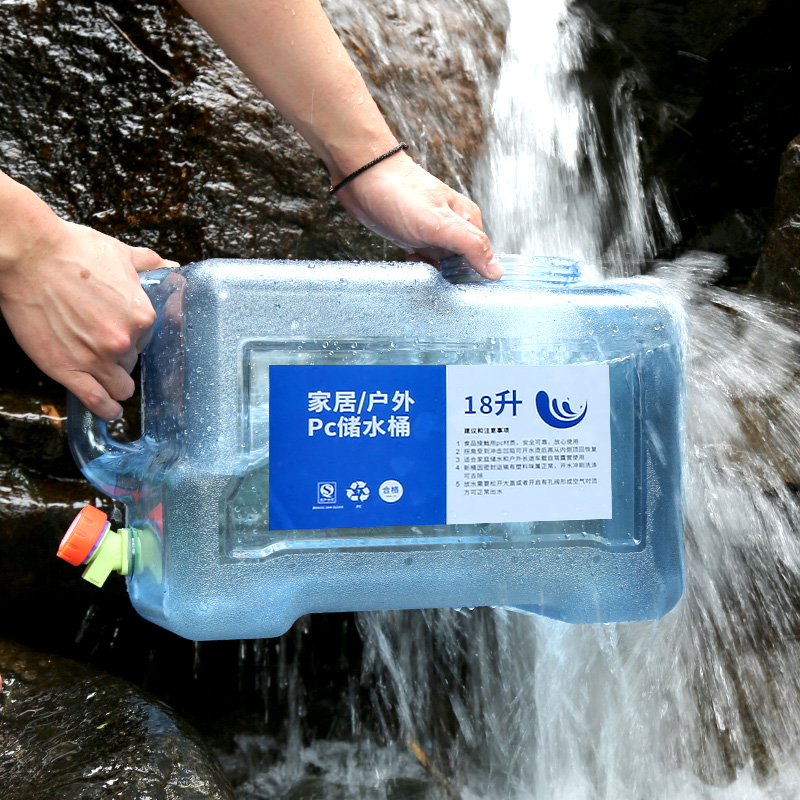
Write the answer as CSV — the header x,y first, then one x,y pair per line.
x,y
382,446
356,446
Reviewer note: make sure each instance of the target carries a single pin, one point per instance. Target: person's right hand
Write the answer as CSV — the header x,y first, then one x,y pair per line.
x,y
72,298
408,206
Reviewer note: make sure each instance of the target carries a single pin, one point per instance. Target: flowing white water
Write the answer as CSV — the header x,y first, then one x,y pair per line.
x,y
706,702
703,704
552,181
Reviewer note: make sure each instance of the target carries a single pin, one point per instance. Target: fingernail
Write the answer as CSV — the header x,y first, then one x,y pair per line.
x,y
494,269
171,264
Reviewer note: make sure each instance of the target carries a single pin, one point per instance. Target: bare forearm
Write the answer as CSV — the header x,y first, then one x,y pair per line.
x,y
291,53
24,219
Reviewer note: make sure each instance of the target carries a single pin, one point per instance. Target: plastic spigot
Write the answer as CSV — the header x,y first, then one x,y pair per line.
x,y
89,540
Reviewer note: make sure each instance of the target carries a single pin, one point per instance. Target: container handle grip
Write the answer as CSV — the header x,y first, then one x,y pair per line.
x,y
119,468
114,467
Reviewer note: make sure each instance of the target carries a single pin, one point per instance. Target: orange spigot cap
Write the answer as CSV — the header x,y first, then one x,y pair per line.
x,y
83,536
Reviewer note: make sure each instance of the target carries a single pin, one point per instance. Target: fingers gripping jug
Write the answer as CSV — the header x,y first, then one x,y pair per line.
x,y
339,437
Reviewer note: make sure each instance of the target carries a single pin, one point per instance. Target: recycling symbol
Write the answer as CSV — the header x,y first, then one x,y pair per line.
x,y
358,491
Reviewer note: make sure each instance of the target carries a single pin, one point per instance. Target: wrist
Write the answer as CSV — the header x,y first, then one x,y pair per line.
x,y
344,154
25,222
369,165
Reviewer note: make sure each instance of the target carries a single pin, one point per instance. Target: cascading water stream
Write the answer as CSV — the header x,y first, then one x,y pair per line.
x,y
706,702
551,180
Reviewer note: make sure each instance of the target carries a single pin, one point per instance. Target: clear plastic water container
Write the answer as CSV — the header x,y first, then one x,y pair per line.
x,y
321,437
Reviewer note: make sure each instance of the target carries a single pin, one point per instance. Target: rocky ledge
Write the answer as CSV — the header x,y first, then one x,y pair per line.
x,y
68,731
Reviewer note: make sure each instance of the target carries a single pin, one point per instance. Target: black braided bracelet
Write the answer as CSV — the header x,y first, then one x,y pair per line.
x,y
345,181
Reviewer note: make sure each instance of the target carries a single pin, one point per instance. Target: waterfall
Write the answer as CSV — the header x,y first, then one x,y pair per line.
x,y
551,180
704,703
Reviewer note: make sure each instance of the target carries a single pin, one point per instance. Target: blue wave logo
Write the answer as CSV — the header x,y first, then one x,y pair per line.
x,y
558,415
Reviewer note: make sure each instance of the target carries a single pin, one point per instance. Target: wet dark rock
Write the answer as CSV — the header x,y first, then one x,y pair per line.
x,y
421,76
719,84
261,769
157,139
41,490
410,789
740,237
220,687
316,789
68,731
778,271
128,118
33,433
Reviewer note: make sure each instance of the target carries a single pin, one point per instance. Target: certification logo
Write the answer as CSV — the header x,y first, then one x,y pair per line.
x,y
558,414
390,491
358,491
326,492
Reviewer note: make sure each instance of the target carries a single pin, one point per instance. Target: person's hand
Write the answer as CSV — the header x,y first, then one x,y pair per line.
x,y
73,301
405,204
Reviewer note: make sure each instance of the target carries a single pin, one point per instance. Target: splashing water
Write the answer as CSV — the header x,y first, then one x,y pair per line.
x,y
704,703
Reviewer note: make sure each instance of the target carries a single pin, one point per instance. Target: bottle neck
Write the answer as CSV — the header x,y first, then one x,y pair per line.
x,y
548,270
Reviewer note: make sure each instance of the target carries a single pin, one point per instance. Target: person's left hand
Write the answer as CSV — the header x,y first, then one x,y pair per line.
x,y
408,206
73,300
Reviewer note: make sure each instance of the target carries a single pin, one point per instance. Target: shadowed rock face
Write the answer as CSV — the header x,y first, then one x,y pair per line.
x,y
41,490
126,117
67,731
778,272
720,94
130,119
